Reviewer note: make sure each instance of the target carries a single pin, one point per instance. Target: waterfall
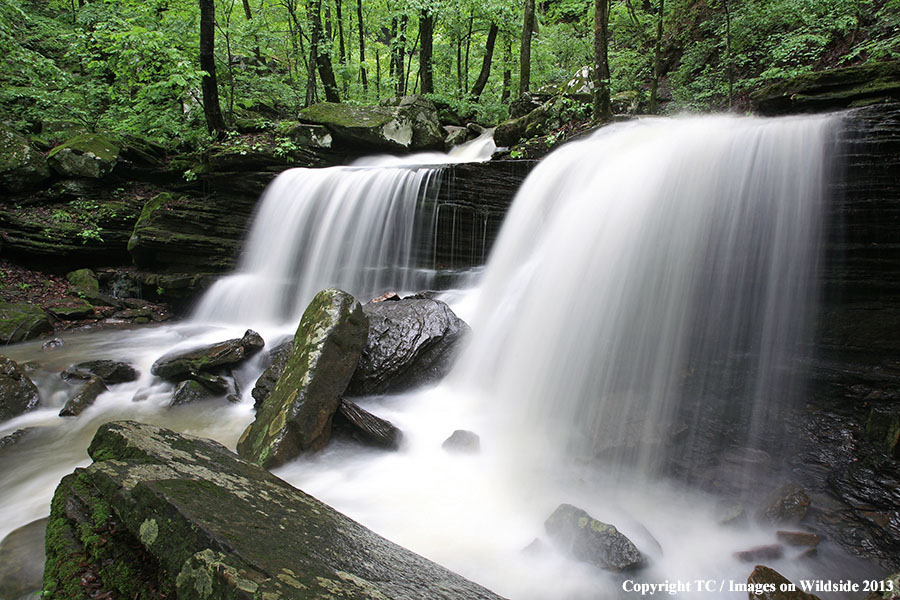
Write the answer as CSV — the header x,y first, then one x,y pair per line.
x,y
651,290
359,228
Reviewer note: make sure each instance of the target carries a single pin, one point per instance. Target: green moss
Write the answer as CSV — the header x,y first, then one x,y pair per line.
x,y
343,115
93,143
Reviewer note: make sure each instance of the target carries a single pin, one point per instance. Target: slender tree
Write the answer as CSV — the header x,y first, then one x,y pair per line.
x,y
728,59
507,70
602,107
342,49
426,32
208,85
657,58
525,52
319,58
362,47
485,73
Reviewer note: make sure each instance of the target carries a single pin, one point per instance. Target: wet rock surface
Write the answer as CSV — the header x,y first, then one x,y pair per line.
x,y
576,533
110,371
179,365
165,495
411,342
297,416
462,442
21,564
365,427
18,394
20,322
83,398
767,583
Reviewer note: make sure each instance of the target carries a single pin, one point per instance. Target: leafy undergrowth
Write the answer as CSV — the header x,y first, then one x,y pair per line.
x,y
20,284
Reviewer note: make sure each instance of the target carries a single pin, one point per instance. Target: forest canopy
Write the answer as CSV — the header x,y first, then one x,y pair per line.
x,y
133,66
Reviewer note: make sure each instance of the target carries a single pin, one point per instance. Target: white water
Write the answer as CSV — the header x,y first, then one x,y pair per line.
x,y
355,228
599,284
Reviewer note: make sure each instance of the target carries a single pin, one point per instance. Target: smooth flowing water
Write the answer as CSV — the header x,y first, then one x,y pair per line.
x,y
652,285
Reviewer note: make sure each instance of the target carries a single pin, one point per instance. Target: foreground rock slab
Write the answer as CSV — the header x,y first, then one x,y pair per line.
x,y
578,534
297,416
189,519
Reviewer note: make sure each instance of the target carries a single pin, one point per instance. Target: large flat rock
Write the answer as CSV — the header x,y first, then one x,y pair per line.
x,y
210,525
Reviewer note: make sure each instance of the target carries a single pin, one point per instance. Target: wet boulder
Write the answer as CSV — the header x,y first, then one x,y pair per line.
x,y
798,539
411,342
189,391
179,365
462,442
588,540
70,309
21,166
760,553
183,517
87,155
365,427
887,590
18,394
297,416
787,504
266,382
83,397
110,371
765,583
20,322
21,560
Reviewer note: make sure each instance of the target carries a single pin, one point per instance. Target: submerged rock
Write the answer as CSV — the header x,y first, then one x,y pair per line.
x,y
83,397
184,517
366,427
766,584
297,415
578,534
20,322
230,352
18,394
802,539
411,342
462,441
190,391
760,553
21,560
787,504
110,371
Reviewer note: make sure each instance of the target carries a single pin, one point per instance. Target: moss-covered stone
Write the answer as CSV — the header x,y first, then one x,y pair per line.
x,y
297,416
831,89
214,526
18,394
578,534
21,166
765,583
315,136
87,155
20,322
83,398
179,365
70,309
84,280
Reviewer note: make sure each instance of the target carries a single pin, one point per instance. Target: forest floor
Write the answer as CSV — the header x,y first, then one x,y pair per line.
x,y
20,284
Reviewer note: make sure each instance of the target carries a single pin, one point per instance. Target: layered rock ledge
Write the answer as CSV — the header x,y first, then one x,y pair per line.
x,y
162,512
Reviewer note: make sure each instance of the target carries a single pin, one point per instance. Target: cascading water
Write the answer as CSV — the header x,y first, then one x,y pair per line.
x,y
356,228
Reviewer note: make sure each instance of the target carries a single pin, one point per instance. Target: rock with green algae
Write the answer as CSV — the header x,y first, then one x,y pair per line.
x,y
831,90
581,536
766,583
410,123
297,416
20,322
18,394
180,365
83,398
84,281
86,155
192,520
70,309
889,589
21,166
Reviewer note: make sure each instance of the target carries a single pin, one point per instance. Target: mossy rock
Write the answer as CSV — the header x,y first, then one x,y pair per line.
x,y
586,539
184,517
297,416
71,309
84,280
179,365
21,166
18,394
830,90
20,322
87,155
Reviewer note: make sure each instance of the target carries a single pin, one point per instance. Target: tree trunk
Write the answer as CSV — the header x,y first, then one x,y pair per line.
x,y
319,58
342,49
507,70
657,58
362,47
728,60
602,108
426,31
468,50
485,73
401,55
525,54
208,85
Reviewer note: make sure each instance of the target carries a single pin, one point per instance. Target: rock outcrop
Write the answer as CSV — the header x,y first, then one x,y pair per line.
x,y
765,583
297,416
21,166
20,322
18,394
411,342
581,536
88,155
161,513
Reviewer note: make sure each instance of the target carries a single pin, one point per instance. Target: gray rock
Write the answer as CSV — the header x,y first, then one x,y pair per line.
x,y
21,166
266,383
366,427
411,342
178,365
787,504
760,553
21,560
87,155
20,322
192,520
190,391
297,416
110,371
83,397
767,583
18,394
802,539
578,534
462,441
